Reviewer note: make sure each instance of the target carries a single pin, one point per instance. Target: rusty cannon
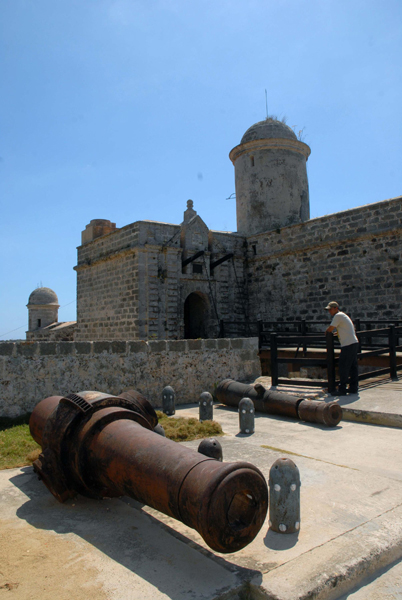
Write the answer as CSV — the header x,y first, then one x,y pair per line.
x,y
279,403
104,446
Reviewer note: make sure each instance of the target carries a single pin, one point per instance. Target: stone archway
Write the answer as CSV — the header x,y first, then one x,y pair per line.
x,y
196,316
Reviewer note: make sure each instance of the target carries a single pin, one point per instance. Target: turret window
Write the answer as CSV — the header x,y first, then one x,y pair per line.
x,y
252,161
39,322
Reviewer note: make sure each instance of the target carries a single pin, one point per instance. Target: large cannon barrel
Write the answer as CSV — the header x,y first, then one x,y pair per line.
x,y
105,446
279,403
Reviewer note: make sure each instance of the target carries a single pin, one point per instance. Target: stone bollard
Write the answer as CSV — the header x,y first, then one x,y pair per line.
x,y
206,404
246,415
168,400
159,430
284,496
212,448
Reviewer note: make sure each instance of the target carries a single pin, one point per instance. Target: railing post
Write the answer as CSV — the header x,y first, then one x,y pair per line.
x,y
274,359
392,353
369,340
397,324
303,332
259,325
357,324
329,339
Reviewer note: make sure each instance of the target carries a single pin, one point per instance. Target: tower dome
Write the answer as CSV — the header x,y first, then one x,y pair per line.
x,y
43,296
268,129
43,308
271,178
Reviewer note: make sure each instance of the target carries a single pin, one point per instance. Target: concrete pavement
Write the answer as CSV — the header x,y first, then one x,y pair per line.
x,y
378,401
351,525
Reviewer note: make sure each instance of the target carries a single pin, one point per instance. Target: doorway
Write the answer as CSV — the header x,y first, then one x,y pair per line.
x,y
196,311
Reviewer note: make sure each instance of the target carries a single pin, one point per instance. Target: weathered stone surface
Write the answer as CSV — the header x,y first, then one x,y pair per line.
x,y
35,373
177,346
118,347
27,349
7,348
65,348
83,347
195,344
131,284
346,257
210,344
46,348
100,347
140,346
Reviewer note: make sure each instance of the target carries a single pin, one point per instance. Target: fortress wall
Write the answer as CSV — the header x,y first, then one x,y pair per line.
x,y
31,371
107,286
107,299
354,257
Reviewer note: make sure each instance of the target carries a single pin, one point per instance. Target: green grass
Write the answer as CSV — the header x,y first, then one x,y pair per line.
x,y
180,429
18,449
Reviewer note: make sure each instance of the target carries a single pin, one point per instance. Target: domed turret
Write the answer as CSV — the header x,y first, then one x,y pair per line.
x,y
268,129
271,178
43,308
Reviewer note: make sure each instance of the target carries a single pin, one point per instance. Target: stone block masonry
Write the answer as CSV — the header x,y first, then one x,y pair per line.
x,y
354,257
31,371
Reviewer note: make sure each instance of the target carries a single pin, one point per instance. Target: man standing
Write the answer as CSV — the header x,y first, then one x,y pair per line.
x,y
348,368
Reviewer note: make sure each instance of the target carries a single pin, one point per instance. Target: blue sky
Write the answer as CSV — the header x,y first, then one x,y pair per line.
x,y
124,109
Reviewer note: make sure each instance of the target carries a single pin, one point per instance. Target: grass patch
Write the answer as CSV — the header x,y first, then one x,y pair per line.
x,y
180,429
17,448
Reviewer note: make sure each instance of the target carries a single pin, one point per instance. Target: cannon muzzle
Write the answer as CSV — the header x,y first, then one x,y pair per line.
x,y
105,446
279,403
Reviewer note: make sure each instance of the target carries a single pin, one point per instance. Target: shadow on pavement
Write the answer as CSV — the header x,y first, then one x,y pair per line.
x,y
126,534
280,541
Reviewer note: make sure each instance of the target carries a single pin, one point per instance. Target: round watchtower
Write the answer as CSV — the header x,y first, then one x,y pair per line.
x,y
271,178
43,308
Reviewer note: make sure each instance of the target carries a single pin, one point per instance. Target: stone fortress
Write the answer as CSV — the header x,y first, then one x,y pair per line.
x,y
159,281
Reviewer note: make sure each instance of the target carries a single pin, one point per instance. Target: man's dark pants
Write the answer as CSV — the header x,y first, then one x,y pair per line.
x,y
348,368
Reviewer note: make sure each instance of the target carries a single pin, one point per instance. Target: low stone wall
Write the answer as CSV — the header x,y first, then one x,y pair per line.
x,y
31,371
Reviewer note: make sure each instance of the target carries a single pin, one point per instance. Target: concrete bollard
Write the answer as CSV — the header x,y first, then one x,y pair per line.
x,y
212,448
246,415
284,496
168,400
206,404
159,430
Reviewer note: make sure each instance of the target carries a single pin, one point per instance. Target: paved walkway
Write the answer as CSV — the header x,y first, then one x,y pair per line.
x,y
379,401
351,525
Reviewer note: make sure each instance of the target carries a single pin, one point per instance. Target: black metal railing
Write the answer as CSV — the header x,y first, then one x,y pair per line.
x,y
387,343
303,327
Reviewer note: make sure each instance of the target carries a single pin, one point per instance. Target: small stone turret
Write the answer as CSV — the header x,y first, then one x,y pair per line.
x,y
271,178
97,228
43,308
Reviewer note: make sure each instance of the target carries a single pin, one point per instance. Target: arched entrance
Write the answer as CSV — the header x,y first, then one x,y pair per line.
x,y
196,316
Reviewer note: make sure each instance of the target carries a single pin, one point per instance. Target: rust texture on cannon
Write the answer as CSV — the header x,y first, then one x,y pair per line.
x,y
279,403
104,446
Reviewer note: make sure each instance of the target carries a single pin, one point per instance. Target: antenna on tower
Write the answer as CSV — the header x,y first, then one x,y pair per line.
x,y
266,103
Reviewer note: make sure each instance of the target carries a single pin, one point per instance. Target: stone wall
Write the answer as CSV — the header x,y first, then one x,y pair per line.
x,y
108,287
354,257
31,371
131,283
